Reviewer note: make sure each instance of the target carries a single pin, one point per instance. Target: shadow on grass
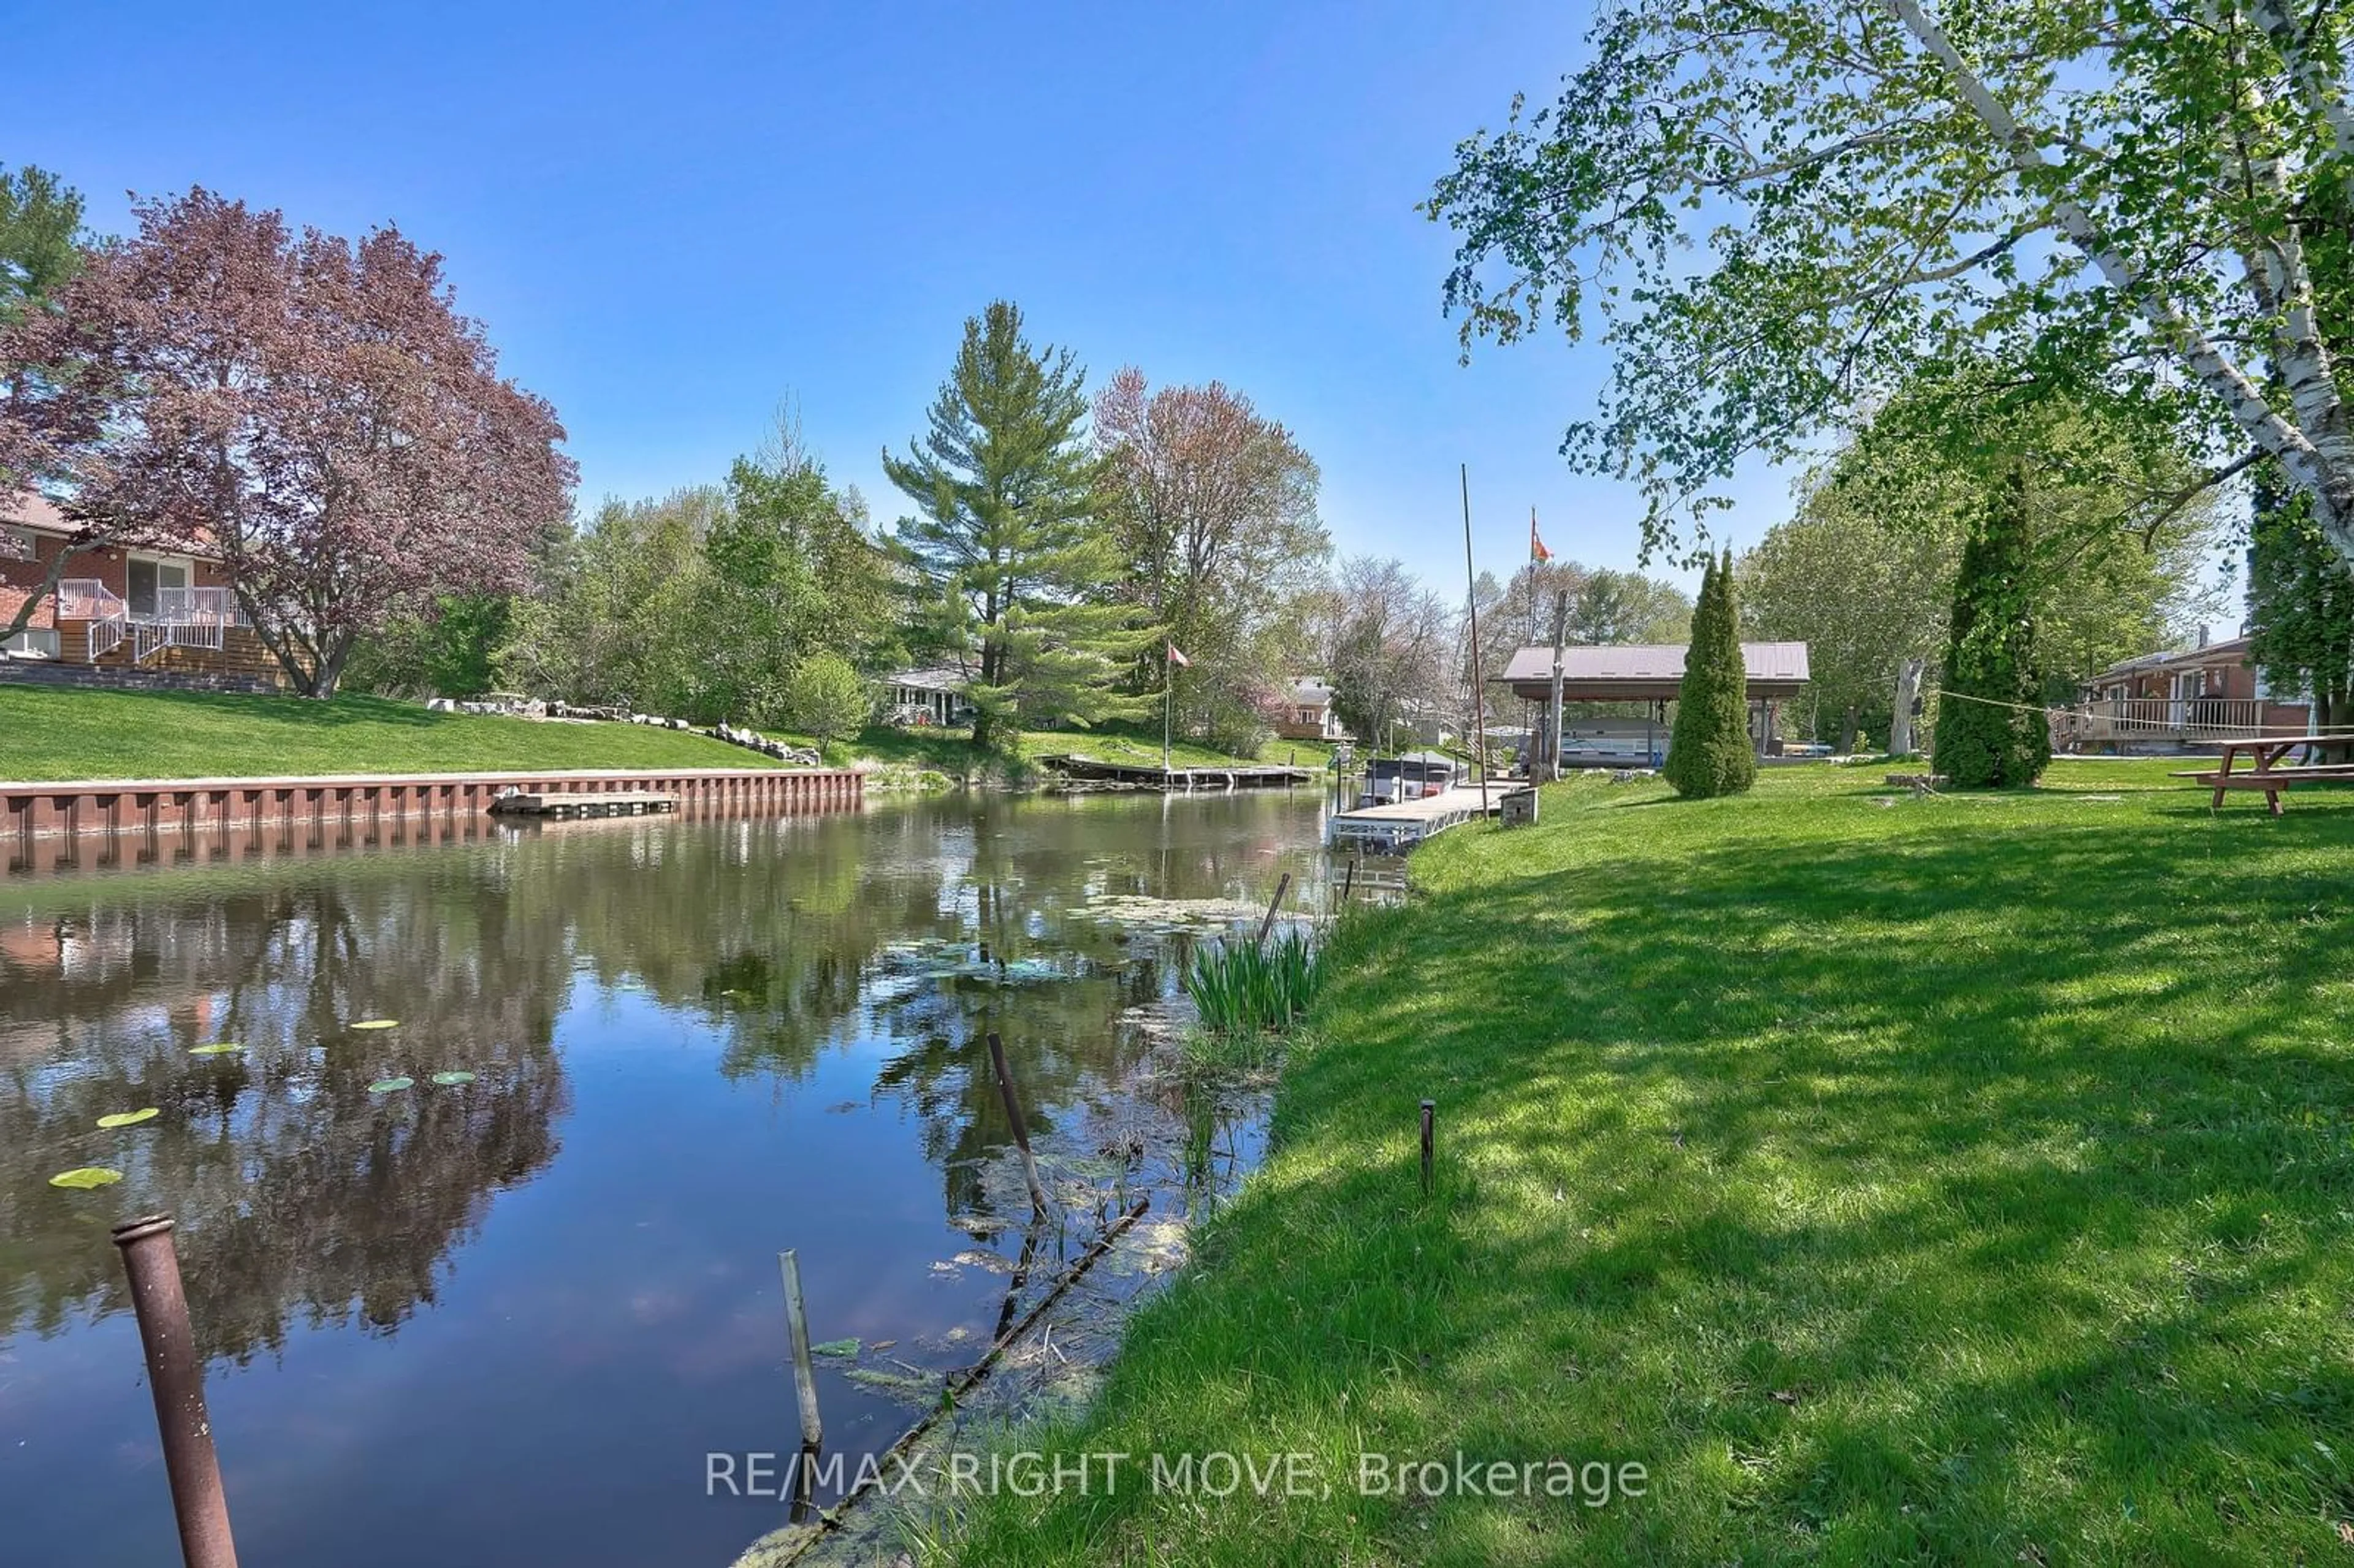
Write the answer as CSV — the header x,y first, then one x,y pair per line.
x,y
1895,1187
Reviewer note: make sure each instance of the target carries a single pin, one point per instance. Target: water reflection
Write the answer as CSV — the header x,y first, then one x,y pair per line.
x,y
299,1193
692,1042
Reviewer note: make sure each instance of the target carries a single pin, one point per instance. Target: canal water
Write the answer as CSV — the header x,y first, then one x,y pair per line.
x,y
510,1317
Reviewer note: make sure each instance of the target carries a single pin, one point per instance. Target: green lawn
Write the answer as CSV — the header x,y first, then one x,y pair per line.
x,y
48,733
951,751
1968,1179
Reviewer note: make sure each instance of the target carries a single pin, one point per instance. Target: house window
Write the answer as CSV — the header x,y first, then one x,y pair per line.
x,y
15,544
147,575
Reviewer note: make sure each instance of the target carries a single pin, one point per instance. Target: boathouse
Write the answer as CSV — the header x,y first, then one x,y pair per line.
x,y
1615,697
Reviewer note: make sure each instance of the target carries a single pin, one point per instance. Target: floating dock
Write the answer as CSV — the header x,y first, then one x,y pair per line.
x,y
1086,773
569,805
1397,827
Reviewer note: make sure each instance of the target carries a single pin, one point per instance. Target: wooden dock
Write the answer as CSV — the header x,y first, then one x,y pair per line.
x,y
1397,827
566,805
1076,772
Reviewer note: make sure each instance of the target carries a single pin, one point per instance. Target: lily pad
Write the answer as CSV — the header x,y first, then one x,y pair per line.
x,y
377,1024
217,1048
130,1118
388,1085
450,1080
836,1348
81,1178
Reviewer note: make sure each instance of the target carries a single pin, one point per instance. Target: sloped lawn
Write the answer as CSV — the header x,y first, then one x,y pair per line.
x,y
1967,1180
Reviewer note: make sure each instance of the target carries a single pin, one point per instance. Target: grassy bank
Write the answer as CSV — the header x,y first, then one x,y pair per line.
x,y
949,751
48,733
1959,1180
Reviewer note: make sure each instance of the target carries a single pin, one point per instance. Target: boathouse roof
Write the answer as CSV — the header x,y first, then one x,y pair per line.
x,y
1623,671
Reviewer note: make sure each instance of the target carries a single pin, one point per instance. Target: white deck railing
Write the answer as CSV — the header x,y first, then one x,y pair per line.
x,y
198,607
182,618
2159,718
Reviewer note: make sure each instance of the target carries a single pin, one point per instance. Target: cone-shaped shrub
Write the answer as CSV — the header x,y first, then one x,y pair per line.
x,y
1709,752
1991,730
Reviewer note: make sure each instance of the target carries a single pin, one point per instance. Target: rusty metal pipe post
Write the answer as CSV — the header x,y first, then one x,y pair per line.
x,y
176,1374
1429,1141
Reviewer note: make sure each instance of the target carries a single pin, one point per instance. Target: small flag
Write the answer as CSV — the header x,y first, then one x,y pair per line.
x,y
1537,551
1178,660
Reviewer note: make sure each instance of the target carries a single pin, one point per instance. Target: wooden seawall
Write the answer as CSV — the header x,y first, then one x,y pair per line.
x,y
30,812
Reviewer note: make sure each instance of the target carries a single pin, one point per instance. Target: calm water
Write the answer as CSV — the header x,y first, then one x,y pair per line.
x,y
505,1321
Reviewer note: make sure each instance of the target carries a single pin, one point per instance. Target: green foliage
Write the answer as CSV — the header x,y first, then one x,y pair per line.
x,y
1213,507
792,573
40,239
452,653
1253,988
828,699
1709,752
1991,730
1864,573
621,614
2300,603
1007,540
1769,218
702,605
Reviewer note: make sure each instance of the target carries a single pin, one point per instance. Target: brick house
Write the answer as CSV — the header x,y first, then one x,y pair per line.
x,y
121,606
2185,697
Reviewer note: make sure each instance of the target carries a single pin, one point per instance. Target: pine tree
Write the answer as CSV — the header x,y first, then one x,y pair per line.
x,y
1709,752
1991,728
1008,538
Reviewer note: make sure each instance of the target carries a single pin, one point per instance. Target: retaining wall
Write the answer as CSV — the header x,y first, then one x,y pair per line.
x,y
63,810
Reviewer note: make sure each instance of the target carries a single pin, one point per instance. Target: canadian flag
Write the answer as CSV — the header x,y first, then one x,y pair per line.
x,y
1176,659
1537,551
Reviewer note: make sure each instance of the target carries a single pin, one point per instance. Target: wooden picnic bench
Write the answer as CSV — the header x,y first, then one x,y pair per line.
x,y
2266,774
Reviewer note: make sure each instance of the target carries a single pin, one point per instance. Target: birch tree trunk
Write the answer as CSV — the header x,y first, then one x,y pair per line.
x,y
1908,691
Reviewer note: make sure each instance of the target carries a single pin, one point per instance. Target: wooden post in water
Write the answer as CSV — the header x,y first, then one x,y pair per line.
x,y
1282,886
804,1375
1429,1140
1349,882
1013,1114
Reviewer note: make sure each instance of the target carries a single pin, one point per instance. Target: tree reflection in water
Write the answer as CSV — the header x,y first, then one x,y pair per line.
x,y
303,1199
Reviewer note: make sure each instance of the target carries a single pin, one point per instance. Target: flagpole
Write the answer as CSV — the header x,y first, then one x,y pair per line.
x,y
1165,688
1528,711
1478,691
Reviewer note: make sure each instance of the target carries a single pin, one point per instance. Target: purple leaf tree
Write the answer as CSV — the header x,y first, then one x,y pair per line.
x,y
313,409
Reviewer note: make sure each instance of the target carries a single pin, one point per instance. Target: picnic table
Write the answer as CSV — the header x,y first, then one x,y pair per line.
x,y
2264,753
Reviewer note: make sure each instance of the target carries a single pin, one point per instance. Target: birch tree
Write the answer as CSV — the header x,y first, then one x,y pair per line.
x,y
1769,210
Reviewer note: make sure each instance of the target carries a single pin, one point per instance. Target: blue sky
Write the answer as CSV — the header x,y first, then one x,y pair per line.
x,y
672,217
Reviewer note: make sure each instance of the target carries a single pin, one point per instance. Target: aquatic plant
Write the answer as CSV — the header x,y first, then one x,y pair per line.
x,y
1244,988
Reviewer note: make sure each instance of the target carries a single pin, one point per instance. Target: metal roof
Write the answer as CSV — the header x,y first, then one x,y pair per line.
x,y
939,678
1613,671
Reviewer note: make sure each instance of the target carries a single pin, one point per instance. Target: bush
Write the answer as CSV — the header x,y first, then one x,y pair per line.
x,y
1710,751
826,698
